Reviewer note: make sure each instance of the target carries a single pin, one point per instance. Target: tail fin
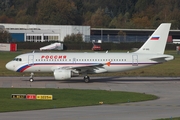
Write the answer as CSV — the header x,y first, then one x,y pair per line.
x,y
157,41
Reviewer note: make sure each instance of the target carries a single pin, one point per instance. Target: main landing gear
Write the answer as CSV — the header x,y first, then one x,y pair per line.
x,y
31,77
86,79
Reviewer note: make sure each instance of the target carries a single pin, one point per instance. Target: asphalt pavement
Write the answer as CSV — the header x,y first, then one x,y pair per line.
x,y
166,88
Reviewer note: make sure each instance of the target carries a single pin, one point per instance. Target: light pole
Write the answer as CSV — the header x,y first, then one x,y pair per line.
x,y
101,34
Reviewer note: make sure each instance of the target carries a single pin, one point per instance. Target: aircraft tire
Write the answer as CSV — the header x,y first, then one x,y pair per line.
x,y
31,79
86,79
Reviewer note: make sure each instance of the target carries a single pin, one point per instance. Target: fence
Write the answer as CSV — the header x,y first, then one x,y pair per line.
x,y
116,38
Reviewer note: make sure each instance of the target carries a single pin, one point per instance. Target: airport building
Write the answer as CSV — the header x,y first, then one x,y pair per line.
x,y
42,33
129,35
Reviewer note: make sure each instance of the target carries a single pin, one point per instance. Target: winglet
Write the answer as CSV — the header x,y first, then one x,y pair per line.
x,y
108,63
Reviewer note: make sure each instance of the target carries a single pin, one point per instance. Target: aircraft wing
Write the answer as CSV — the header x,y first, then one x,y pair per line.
x,y
84,68
93,65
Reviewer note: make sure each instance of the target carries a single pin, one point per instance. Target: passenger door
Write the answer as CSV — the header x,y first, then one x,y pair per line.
x,y
31,60
134,60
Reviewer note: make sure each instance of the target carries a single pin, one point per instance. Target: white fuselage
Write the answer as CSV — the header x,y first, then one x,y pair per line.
x,y
48,62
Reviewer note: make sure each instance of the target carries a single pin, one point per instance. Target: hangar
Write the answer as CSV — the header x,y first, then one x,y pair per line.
x,y
42,33
128,35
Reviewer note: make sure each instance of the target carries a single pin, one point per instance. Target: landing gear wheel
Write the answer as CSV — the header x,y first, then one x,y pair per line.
x,y
86,79
31,79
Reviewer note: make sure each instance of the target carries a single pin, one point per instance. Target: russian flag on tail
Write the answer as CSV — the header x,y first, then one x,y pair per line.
x,y
155,38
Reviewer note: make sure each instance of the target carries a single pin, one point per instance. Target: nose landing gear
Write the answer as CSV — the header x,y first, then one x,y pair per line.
x,y
31,77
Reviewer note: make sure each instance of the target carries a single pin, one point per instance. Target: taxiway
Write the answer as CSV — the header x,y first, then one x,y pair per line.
x,y
166,88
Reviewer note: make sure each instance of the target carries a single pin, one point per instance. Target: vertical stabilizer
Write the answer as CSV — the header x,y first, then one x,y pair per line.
x,y
157,41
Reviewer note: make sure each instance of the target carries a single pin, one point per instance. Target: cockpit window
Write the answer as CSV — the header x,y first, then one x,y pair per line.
x,y
17,59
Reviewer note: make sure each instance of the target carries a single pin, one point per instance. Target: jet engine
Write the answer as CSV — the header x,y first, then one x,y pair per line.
x,y
61,74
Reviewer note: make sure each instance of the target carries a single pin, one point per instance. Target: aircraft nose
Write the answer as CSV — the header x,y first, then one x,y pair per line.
x,y
9,66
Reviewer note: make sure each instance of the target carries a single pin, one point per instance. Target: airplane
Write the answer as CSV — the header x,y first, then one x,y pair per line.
x,y
67,65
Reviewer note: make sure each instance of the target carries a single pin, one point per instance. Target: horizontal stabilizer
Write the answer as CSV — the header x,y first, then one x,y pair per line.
x,y
158,59
162,58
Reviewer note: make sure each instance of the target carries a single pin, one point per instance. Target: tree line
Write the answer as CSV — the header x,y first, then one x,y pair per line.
x,y
95,13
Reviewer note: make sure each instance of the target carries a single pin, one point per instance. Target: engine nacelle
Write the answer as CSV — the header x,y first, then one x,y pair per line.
x,y
62,74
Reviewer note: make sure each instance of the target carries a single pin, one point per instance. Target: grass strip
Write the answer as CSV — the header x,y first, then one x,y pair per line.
x,y
63,98
171,118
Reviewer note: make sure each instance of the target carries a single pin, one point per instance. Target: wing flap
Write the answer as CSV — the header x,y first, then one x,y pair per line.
x,y
85,68
92,65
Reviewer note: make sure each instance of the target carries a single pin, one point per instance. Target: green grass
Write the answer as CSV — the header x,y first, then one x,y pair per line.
x,y
178,118
65,98
4,58
170,68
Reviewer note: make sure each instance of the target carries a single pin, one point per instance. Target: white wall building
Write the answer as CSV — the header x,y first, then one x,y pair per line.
x,y
42,33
